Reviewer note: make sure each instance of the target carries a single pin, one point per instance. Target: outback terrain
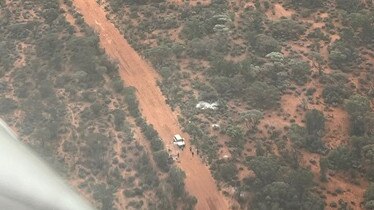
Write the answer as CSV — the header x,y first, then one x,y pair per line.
x,y
98,89
288,77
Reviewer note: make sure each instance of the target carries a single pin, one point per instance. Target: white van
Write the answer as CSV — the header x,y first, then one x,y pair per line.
x,y
179,141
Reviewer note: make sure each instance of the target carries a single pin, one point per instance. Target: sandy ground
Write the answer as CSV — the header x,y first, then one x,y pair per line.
x,y
352,193
136,72
278,12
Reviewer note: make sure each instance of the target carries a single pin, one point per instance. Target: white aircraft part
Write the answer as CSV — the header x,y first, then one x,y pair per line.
x,y
27,183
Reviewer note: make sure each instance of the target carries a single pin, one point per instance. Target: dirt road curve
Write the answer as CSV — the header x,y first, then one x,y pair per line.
x,y
136,72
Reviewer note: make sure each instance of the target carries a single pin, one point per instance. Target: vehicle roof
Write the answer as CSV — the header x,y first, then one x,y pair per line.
x,y
178,137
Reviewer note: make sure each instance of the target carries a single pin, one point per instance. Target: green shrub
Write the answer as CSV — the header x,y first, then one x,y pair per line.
x,y
340,158
287,29
228,172
7,105
261,95
265,44
162,160
300,71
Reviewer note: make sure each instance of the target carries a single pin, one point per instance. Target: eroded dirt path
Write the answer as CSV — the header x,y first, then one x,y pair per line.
x,y
136,72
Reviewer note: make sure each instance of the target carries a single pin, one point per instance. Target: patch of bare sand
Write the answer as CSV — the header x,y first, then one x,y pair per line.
x,y
317,25
337,127
291,105
334,37
278,11
324,15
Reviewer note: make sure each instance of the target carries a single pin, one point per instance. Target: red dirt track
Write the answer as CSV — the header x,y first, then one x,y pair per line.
x,y
139,74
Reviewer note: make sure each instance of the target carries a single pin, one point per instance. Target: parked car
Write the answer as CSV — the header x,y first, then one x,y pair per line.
x,y
179,141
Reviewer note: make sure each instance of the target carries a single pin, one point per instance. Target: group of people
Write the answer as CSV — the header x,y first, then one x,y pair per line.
x,y
192,152
176,157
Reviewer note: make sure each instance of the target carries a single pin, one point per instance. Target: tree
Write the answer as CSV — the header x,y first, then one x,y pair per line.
x,y
312,202
265,44
297,135
266,169
157,144
301,138
277,195
262,95
248,70
237,136
48,46
200,48
308,3
369,197
368,28
358,143
146,172
299,71
96,108
315,122
234,132
159,55
314,143
225,68
162,160
334,93
301,179
176,179
368,153
276,57
228,172
251,118
323,164
348,5
357,20
82,54
46,89
193,29
118,85
337,56
341,53
96,151
104,194
358,106
286,29
340,158
228,86
50,15
369,205
369,123
260,151
7,105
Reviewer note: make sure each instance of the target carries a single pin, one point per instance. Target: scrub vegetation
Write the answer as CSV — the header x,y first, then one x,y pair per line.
x,y
294,84
63,97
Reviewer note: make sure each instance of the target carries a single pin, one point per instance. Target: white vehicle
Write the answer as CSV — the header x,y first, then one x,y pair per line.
x,y
179,141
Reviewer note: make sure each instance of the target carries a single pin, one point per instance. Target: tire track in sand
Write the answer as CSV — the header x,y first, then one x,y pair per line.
x,y
136,72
